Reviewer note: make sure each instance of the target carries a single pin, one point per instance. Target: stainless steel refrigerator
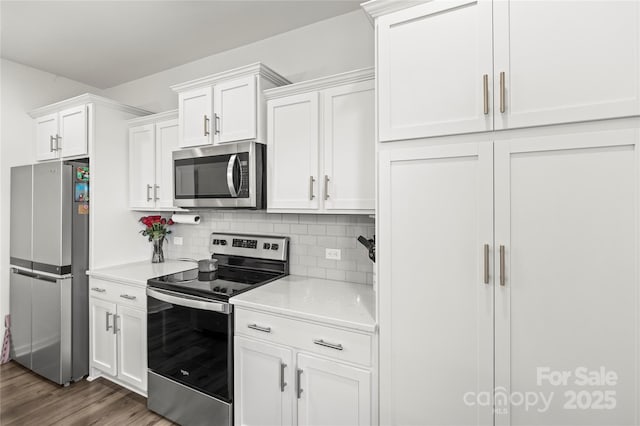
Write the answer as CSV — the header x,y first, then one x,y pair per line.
x,y
49,248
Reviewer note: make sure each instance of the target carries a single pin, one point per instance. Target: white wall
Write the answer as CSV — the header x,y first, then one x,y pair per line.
x,y
22,89
327,47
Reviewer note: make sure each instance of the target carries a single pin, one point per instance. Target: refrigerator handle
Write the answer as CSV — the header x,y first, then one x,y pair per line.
x,y
21,272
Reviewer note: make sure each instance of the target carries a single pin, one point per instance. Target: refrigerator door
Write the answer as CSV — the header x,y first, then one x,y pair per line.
x,y
51,328
20,304
52,218
21,203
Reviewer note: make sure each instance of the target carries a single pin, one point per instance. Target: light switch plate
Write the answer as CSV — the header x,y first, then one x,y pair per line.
x,y
332,254
177,241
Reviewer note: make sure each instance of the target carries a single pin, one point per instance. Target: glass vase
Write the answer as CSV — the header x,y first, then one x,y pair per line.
x,y
158,254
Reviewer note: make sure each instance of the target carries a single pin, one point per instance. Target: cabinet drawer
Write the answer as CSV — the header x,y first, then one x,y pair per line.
x,y
121,294
328,341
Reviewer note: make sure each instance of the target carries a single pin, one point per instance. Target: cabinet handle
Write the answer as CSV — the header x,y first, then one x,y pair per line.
x,y
128,297
98,289
335,346
107,320
326,187
502,107
311,181
155,192
58,144
502,277
258,328
486,263
216,124
51,143
485,93
148,192
206,125
115,327
283,384
298,382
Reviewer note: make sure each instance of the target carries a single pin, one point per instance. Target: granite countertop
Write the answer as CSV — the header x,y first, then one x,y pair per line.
x,y
338,303
138,273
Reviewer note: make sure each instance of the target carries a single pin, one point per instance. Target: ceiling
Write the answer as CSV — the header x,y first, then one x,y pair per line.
x,y
106,43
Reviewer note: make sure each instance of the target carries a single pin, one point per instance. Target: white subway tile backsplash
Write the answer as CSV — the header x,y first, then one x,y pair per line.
x,y
299,229
317,229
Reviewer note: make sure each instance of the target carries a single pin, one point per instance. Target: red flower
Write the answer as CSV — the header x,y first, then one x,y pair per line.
x,y
170,222
163,221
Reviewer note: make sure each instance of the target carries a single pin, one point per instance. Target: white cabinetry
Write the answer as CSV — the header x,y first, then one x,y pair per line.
x,y
485,64
63,134
518,278
152,140
321,145
225,107
118,333
291,372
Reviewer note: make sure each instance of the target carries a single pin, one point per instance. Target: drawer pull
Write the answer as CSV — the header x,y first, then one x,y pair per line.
x,y
258,328
321,342
126,296
98,289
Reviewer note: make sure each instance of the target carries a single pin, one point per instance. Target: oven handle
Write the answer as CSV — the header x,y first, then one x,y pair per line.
x,y
232,188
189,301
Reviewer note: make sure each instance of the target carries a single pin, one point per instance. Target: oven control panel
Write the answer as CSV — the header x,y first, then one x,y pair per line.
x,y
259,246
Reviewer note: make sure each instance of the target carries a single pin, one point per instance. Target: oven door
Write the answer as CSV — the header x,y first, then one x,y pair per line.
x,y
218,176
190,341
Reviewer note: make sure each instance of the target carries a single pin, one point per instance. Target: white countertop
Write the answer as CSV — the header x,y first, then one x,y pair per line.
x,y
337,303
138,273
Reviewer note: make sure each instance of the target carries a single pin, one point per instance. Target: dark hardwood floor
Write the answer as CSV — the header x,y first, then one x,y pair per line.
x,y
28,399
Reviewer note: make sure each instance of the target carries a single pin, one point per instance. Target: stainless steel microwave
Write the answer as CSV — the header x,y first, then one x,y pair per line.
x,y
221,176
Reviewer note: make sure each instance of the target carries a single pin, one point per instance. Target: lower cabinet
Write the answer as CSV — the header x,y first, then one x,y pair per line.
x,y
278,383
118,334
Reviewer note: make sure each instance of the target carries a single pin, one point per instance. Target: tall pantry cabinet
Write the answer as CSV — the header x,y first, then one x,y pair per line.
x,y
508,212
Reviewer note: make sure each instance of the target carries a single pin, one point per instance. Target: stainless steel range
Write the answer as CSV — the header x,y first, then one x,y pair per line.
x,y
190,327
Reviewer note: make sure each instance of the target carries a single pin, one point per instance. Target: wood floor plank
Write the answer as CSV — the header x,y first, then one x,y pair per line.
x,y
28,399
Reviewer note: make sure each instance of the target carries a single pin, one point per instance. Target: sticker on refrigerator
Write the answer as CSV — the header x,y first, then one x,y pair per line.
x,y
82,192
82,174
83,208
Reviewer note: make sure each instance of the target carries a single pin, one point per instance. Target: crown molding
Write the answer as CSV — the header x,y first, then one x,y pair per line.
x,y
251,69
85,99
355,76
154,118
378,8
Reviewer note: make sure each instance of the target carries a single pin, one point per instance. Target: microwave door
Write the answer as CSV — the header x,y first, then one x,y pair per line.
x,y
202,178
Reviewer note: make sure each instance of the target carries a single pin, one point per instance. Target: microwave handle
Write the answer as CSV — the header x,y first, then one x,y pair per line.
x,y
232,188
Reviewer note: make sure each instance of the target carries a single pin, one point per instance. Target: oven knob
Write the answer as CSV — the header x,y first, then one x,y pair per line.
x,y
216,289
216,242
223,242
274,246
266,246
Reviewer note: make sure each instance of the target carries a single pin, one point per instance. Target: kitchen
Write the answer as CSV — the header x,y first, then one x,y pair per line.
x,y
483,220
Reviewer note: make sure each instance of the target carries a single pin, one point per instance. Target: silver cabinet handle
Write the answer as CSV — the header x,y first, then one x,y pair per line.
x,y
98,289
486,263
51,143
128,297
107,320
326,187
298,382
115,327
283,384
335,346
311,181
502,262
216,124
58,144
258,328
502,83
206,125
155,192
148,192
485,93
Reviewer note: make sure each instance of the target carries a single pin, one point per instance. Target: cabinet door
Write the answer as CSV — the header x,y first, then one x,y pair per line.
x,y
234,107
195,117
142,162
73,132
166,143
101,336
349,147
567,215
263,383
131,326
432,63
292,163
559,68
332,393
46,132
435,293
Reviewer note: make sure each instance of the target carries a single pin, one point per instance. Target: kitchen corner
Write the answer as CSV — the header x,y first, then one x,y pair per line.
x,y
137,273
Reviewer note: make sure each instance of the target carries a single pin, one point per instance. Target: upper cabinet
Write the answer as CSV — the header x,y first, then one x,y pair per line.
x,y
321,145
225,107
152,140
452,67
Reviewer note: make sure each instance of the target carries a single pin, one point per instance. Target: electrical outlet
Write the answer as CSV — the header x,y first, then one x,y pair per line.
x,y
332,254
177,241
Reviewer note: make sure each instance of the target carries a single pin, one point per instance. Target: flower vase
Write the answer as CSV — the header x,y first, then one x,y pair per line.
x,y
158,254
